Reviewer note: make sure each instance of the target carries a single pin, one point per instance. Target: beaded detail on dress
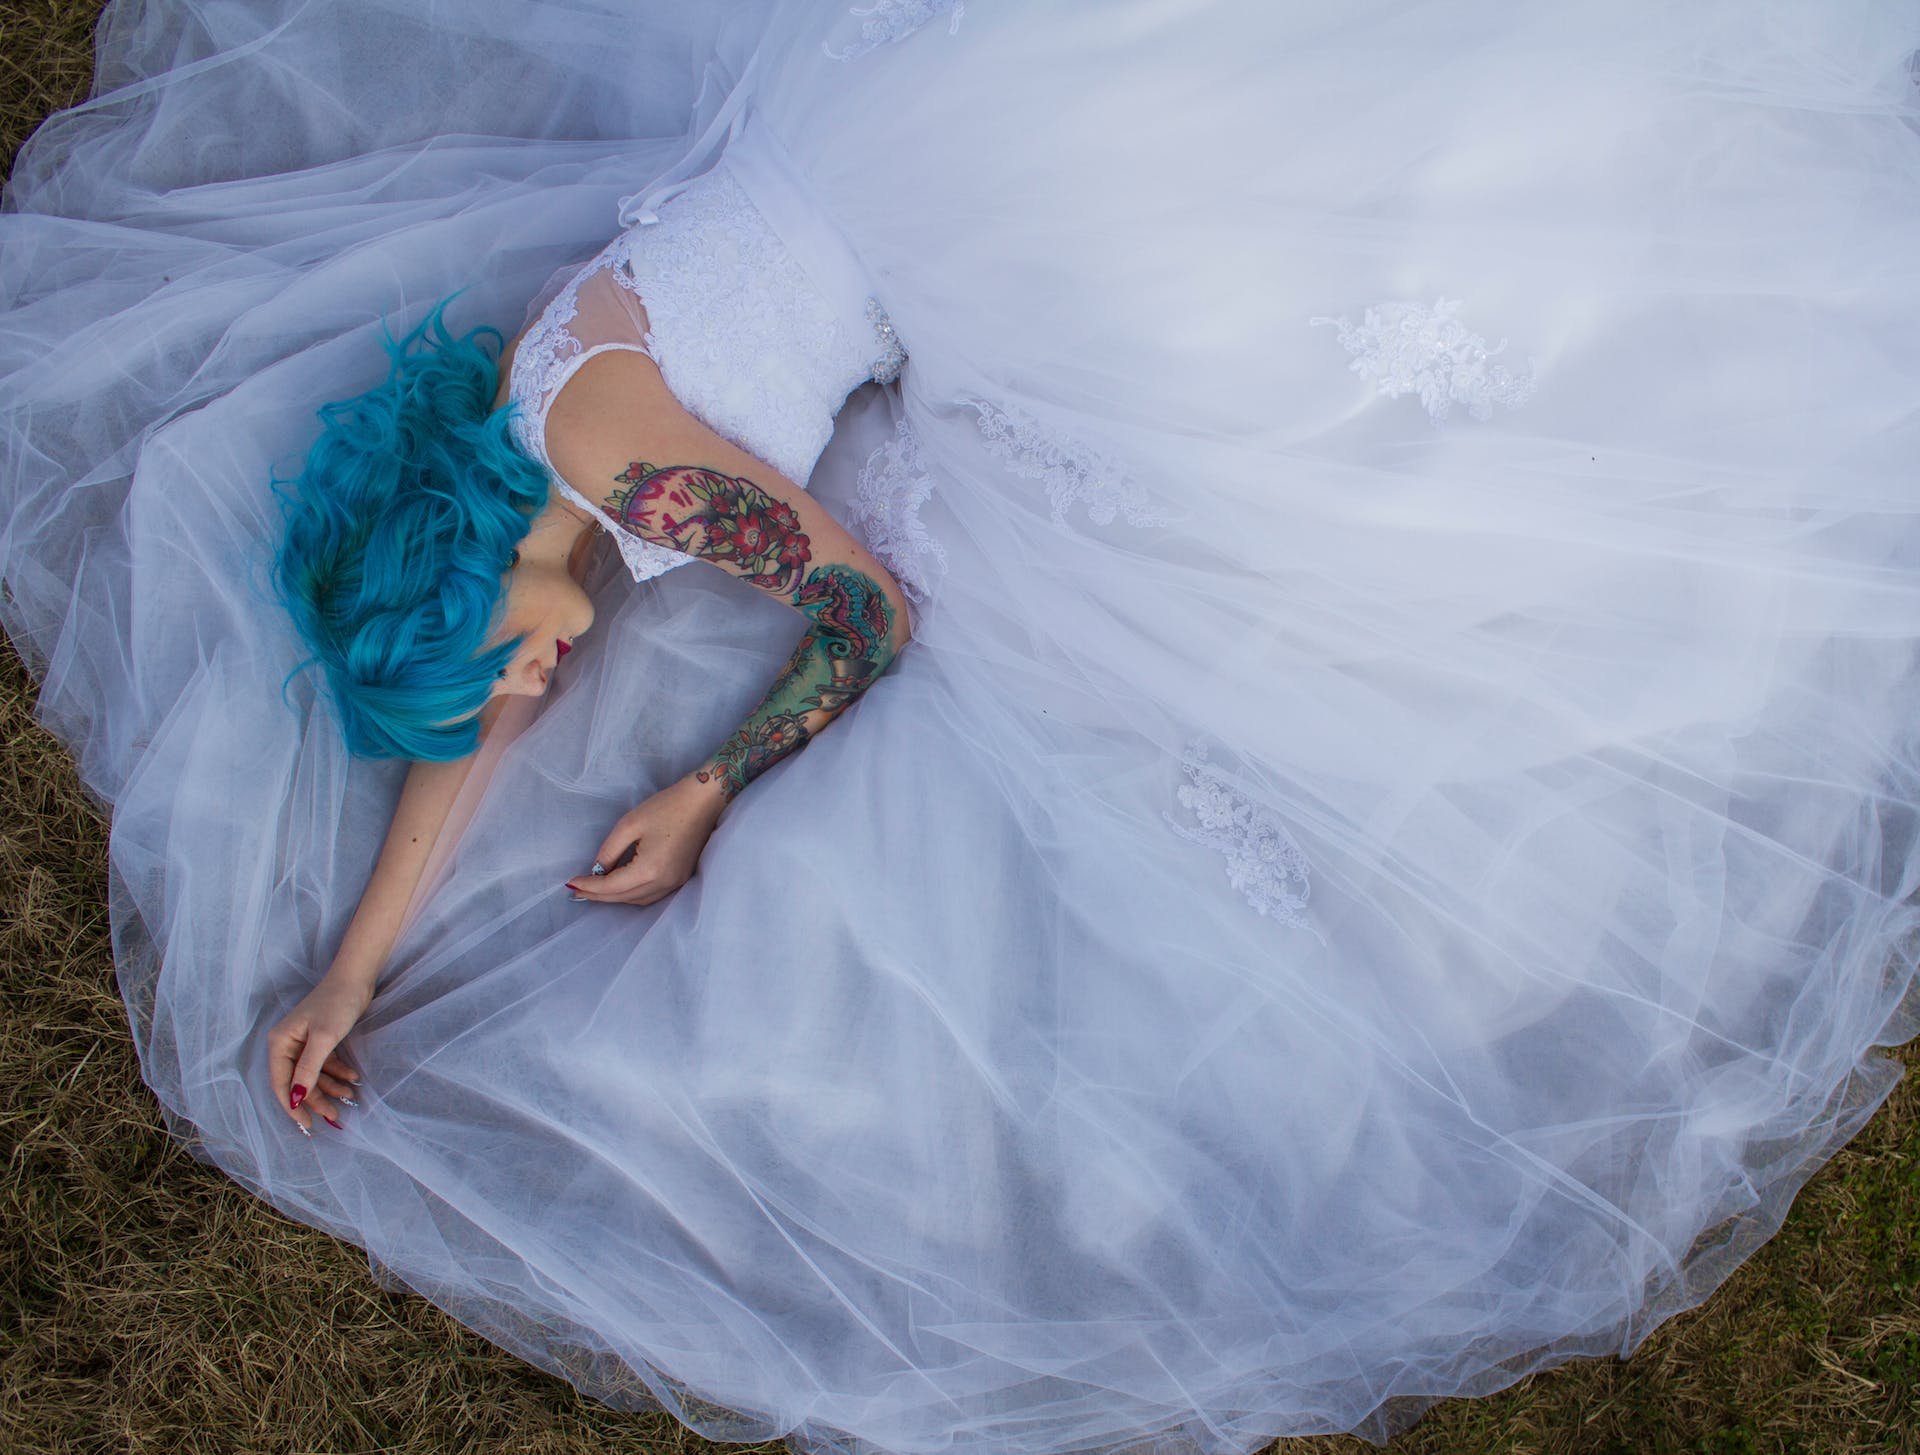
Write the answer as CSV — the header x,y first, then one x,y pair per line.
x,y
741,336
893,354
1408,348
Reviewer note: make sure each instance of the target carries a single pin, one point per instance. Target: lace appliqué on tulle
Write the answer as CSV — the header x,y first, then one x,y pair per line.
x,y
1263,862
892,486
891,20
1408,348
1071,469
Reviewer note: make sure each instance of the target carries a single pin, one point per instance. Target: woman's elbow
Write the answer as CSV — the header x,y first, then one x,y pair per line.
x,y
903,623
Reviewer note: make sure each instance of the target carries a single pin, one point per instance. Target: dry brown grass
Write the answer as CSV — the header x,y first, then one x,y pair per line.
x,y
152,1305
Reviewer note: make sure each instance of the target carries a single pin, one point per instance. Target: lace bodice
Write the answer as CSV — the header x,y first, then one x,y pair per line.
x,y
743,337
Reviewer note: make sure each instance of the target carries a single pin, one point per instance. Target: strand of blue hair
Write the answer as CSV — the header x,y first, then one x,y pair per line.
x,y
398,533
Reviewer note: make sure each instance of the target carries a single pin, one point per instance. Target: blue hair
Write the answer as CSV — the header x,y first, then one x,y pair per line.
x,y
401,527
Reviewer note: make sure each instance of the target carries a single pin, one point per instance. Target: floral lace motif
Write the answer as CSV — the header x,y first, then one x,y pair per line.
x,y
537,362
892,20
1263,862
892,486
1070,468
1408,348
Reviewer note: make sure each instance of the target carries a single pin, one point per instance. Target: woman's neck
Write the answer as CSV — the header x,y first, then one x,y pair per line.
x,y
562,534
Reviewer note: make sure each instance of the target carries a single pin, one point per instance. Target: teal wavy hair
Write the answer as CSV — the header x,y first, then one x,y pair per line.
x,y
398,534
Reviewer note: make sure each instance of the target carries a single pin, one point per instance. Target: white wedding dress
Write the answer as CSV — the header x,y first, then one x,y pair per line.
x,y
1391,850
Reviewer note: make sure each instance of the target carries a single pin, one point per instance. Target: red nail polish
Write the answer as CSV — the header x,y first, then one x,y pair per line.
x,y
299,1095
332,1123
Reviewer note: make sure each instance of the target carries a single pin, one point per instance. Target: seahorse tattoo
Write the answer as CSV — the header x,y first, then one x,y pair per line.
x,y
849,644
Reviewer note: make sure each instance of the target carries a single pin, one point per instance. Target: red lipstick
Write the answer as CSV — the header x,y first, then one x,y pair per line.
x,y
564,648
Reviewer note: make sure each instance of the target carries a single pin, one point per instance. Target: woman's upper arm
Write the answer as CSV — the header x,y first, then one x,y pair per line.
x,y
619,437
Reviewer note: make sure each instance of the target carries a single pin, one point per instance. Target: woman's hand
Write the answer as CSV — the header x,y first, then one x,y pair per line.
x,y
664,835
307,1075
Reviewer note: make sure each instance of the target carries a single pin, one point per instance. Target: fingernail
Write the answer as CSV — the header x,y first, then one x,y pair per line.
x,y
299,1095
332,1123
302,1129
348,1101
578,896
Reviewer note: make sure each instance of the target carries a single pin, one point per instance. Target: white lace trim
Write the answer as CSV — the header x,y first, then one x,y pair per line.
x,y
1408,348
893,485
892,20
1070,468
538,359
1263,861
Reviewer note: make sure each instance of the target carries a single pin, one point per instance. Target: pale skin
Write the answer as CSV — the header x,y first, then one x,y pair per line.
x,y
618,435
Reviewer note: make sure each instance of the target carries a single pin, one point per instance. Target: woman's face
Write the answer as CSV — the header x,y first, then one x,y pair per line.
x,y
546,604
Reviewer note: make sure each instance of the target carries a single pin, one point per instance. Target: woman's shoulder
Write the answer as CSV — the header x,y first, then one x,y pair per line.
x,y
508,351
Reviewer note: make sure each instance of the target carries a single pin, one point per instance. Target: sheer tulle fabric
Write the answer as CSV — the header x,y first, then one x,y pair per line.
x,y
1368,880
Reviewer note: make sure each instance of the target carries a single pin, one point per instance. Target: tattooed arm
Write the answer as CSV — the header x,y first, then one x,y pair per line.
x,y
663,475
754,526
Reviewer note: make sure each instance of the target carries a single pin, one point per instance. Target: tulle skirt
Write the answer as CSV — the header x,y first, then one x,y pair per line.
x,y
1387,859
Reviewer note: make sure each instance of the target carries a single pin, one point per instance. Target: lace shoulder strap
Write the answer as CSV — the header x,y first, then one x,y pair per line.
x,y
596,312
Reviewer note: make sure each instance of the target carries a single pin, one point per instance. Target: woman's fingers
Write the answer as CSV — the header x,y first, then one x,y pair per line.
x,y
617,848
310,1078
336,1067
284,1044
615,866
616,886
306,1079
328,1110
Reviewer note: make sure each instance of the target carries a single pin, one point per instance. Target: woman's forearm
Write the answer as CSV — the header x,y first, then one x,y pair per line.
x,y
860,623
723,505
425,801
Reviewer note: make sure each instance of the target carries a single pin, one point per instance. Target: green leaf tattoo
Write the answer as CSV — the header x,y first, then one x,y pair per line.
x,y
727,518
